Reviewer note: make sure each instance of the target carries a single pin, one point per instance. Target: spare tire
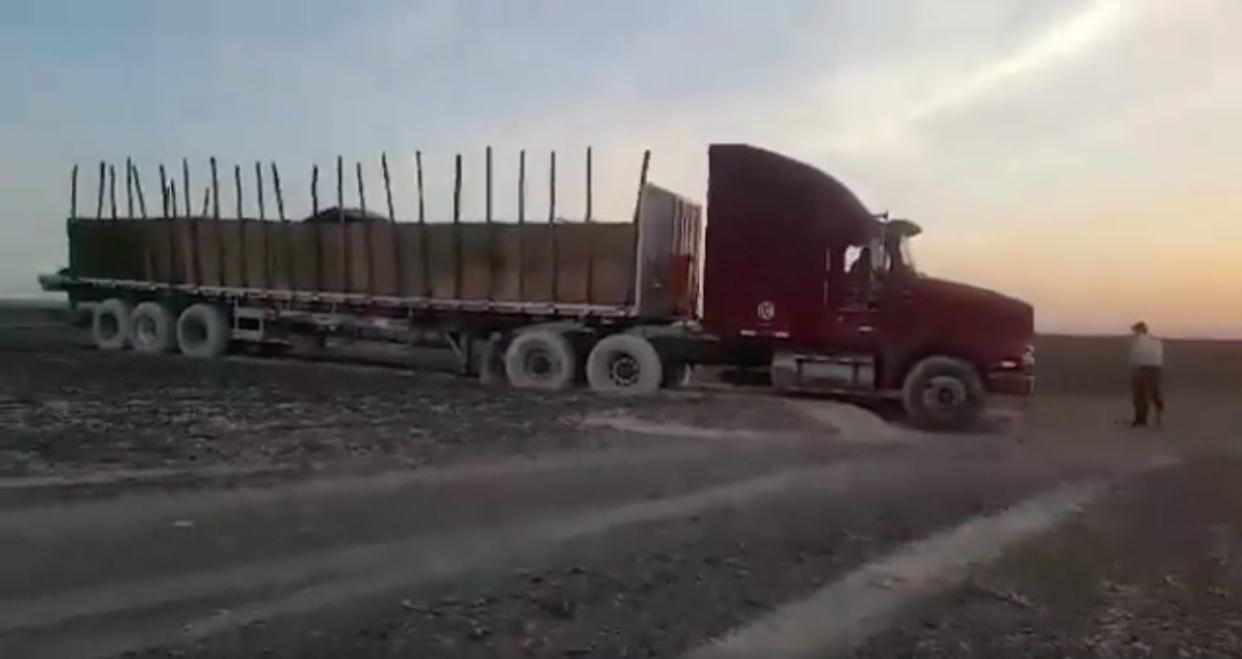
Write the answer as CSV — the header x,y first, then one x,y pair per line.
x,y
624,364
540,359
943,393
110,324
203,331
151,328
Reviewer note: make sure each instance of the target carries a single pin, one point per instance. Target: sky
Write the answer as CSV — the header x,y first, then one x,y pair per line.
x,y
1084,155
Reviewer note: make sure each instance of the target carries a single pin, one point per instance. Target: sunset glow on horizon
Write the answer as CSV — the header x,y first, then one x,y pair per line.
x,y
1084,155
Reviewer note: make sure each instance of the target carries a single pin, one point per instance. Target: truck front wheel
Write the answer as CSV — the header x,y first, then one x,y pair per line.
x,y
943,393
624,364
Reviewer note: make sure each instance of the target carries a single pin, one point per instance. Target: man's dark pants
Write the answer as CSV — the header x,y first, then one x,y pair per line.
x,y
1145,386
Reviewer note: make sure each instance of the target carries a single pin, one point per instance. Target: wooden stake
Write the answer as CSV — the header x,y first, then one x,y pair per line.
x,y
392,216
73,192
521,213
185,185
242,261
392,219
457,256
163,191
280,211
488,207
102,175
424,254
340,190
263,228
340,216
556,260
418,161
367,231
237,187
589,217
142,201
590,273
112,189
314,190
172,229
258,187
129,188
280,198
318,231
491,231
215,194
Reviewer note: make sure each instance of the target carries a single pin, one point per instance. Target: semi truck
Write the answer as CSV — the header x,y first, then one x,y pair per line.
x,y
787,271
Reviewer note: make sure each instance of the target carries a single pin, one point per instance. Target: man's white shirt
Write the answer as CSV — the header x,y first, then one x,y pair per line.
x,y
1146,350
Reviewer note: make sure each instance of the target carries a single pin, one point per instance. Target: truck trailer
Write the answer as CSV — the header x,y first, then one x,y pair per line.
x,y
787,271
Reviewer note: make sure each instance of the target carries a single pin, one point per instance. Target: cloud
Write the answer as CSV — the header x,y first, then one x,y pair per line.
x,y
1075,37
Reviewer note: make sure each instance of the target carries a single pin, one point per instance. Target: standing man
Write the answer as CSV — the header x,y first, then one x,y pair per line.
x,y
1146,366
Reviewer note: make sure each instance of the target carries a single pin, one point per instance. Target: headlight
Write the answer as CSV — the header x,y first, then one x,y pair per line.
x,y
1028,358
1024,363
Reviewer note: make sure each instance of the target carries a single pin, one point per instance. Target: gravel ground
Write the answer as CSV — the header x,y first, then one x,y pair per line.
x,y
1153,571
1149,571
655,589
75,407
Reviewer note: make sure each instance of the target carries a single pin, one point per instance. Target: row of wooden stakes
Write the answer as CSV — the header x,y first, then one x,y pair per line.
x,y
174,204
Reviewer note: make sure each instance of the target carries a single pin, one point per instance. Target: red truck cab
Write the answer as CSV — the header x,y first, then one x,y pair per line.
x,y
800,270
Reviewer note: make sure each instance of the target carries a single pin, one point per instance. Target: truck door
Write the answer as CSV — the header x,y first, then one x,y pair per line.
x,y
844,360
852,314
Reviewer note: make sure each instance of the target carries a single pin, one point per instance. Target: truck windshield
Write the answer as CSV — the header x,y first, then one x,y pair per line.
x,y
906,255
897,256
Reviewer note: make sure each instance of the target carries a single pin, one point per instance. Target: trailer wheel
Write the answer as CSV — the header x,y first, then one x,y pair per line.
x,y
151,328
624,364
489,362
202,331
110,324
540,359
943,393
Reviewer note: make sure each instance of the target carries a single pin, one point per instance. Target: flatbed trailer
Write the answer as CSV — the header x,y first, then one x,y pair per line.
x,y
791,274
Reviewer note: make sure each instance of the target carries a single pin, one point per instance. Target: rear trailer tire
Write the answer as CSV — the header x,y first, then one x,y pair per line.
x,y
624,364
542,360
110,324
203,331
152,329
943,393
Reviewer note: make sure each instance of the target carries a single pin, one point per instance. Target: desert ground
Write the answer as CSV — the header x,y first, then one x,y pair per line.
x,y
264,507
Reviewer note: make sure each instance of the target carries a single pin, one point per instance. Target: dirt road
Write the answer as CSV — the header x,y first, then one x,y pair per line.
x,y
250,507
